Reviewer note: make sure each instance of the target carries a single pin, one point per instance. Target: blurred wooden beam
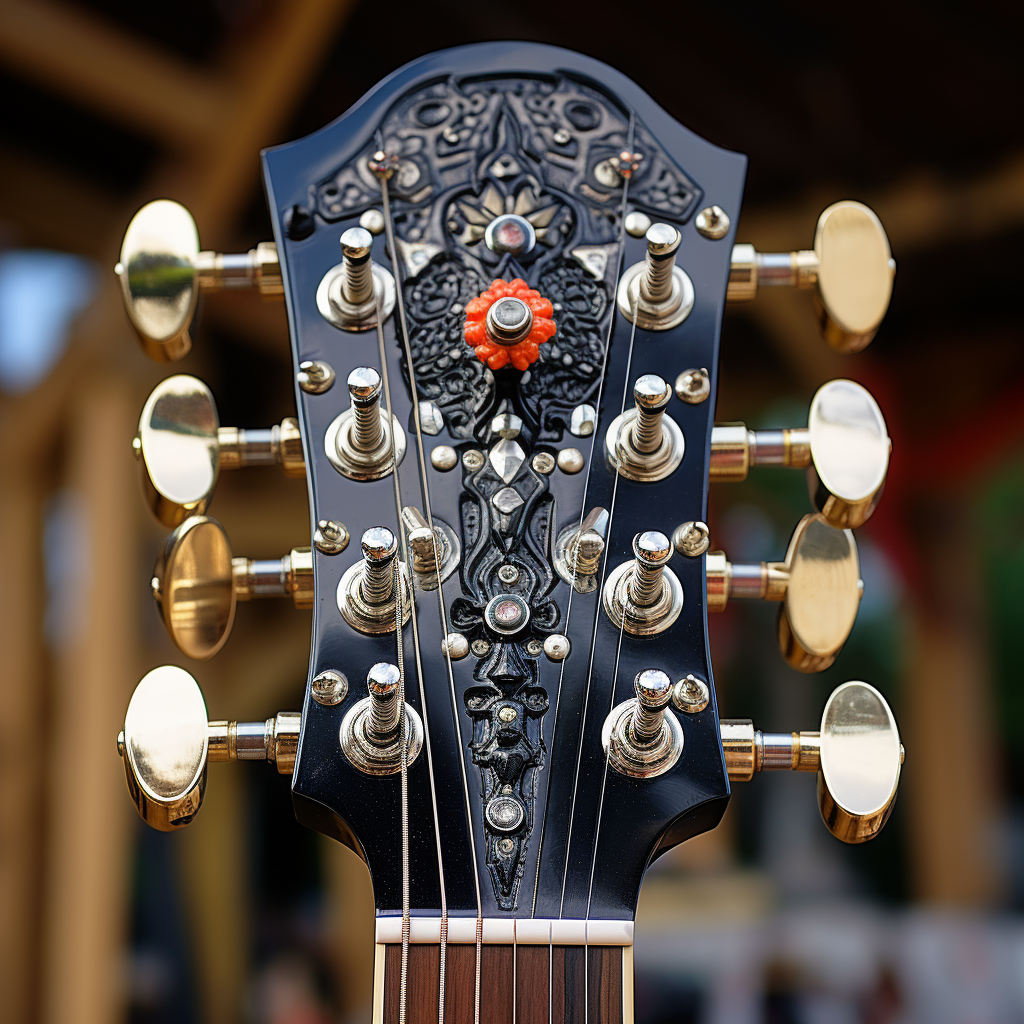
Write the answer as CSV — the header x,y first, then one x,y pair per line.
x,y
88,815
80,222
23,738
97,65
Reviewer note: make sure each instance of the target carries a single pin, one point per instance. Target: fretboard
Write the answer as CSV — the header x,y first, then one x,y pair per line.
x,y
521,984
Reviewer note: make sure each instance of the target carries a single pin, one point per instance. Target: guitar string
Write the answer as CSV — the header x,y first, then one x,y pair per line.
x,y
425,488
611,514
403,743
615,675
572,589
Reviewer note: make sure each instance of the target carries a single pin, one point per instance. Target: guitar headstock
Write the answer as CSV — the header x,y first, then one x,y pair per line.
x,y
505,272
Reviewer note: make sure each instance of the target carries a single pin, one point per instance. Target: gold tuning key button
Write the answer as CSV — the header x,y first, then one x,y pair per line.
x,y
167,742
857,754
197,583
818,584
845,448
850,266
162,271
181,448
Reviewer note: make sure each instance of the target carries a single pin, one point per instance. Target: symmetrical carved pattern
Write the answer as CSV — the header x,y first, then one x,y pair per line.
x,y
507,707
468,153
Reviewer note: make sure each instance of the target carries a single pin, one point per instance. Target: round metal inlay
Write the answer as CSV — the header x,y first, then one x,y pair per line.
x,y
509,320
510,233
507,614
505,814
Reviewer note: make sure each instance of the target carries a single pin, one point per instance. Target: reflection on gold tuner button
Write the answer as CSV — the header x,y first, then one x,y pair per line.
x,y
167,743
850,266
181,448
197,582
162,272
818,584
845,449
857,754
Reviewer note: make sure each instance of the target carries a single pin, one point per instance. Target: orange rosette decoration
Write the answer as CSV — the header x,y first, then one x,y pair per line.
x,y
497,354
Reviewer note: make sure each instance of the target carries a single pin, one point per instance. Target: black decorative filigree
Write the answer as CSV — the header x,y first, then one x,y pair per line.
x,y
507,707
468,152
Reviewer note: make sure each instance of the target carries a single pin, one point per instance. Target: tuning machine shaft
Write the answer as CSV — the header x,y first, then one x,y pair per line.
x,y
644,444
352,293
374,729
368,597
644,596
162,272
857,754
818,584
641,736
844,447
657,294
850,266
197,583
167,742
181,448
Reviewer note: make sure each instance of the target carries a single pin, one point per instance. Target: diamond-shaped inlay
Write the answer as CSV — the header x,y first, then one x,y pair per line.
x,y
507,500
506,458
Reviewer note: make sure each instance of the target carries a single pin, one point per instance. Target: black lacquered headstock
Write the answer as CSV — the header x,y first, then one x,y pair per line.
x,y
521,163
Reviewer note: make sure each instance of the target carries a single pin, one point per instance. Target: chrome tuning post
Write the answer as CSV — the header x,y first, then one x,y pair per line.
x,y
578,551
367,593
642,736
435,553
857,754
644,444
197,583
373,730
818,584
644,596
353,293
181,448
362,443
850,266
844,447
657,294
162,272
167,742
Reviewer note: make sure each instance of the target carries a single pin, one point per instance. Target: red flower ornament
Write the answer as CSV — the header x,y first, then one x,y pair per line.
x,y
507,323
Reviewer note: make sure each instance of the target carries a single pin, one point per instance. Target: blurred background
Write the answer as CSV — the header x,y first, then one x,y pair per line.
x,y
913,108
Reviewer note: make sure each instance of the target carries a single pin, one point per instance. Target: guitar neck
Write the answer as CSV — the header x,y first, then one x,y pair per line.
x,y
521,982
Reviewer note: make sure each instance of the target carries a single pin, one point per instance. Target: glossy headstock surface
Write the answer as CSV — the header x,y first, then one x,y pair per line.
x,y
537,132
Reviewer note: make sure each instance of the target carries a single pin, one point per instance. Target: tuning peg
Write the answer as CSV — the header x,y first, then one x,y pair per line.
x,y
643,596
182,447
818,584
374,729
351,294
844,447
162,272
850,266
367,596
167,743
641,737
197,582
643,443
857,754
657,294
